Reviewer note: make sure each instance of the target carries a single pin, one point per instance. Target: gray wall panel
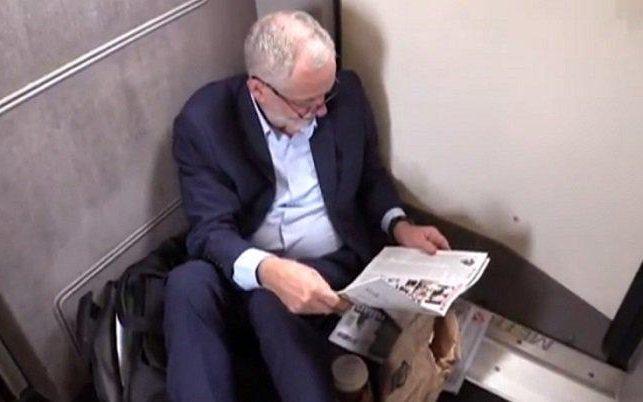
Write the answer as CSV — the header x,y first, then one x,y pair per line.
x,y
39,36
322,10
87,162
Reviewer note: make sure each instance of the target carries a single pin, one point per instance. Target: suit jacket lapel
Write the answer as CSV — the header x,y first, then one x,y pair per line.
x,y
255,139
322,146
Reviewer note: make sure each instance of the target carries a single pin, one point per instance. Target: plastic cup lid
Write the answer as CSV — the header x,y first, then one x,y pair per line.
x,y
349,373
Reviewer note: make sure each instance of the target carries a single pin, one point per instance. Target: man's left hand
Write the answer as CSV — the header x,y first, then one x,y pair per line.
x,y
427,238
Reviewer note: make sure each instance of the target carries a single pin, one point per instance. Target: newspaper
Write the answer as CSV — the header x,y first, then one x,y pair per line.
x,y
398,284
367,331
473,322
406,279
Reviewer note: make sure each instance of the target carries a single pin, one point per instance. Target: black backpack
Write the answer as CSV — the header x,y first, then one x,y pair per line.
x,y
121,337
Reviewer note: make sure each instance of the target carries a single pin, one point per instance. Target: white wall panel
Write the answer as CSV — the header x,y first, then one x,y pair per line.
x,y
521,120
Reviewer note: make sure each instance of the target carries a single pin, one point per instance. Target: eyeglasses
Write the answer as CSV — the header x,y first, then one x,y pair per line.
x,y
296,106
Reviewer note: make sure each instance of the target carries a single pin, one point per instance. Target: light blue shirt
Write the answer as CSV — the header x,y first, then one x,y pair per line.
x,y
297,223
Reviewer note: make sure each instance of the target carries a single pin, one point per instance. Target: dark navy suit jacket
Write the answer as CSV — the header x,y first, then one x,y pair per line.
x,y
227,177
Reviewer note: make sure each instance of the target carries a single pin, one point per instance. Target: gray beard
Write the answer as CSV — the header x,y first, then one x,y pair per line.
x,y
296,126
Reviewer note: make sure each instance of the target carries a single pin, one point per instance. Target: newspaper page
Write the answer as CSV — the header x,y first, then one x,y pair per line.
x,y
367,331
473,322
407,279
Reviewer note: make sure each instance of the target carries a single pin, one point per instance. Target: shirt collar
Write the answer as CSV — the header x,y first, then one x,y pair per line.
x,y
308,130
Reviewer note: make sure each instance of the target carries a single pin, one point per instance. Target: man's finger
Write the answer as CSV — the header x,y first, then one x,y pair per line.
x,y
441,241
435,237
323,290
429,247
329,298
321,307
315,306
342,305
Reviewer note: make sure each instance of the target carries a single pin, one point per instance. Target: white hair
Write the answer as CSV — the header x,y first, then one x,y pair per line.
x,y
275,41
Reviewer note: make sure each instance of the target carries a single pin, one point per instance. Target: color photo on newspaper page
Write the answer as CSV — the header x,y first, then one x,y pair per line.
x,y
406,279
424,292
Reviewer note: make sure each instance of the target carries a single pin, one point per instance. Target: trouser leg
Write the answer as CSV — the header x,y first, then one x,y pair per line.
x,y
296,348
197,311
293,350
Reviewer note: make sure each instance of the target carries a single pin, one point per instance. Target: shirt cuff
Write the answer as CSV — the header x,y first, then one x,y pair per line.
x,y
245,268
389,216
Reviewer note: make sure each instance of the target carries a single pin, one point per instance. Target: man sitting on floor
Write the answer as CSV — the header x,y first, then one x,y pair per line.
x,y
283,187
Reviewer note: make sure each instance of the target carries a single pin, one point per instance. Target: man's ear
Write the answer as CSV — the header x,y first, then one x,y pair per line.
x,y
256,89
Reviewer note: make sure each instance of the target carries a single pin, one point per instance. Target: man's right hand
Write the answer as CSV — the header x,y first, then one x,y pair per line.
x,y
299,287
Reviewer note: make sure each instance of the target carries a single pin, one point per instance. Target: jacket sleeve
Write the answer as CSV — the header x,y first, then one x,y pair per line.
x,y
377,193
211,205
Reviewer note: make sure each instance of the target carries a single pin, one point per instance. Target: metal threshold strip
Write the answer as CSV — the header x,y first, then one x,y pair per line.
x,y
520,364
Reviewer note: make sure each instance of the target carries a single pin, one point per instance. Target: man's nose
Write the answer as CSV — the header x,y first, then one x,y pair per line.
x,y
320,103
321,110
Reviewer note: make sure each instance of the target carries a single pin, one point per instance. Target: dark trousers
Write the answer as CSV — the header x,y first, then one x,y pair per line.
x,y
204,313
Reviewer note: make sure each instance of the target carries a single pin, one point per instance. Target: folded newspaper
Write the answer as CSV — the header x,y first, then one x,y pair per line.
x,y
406,279
397,284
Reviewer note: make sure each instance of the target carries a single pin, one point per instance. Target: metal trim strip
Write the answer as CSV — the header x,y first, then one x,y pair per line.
x,y
65,71
517,363
103,263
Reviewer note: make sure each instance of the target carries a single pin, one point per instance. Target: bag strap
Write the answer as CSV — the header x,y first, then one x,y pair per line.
x,y
135,321
155,267
104,358
86,323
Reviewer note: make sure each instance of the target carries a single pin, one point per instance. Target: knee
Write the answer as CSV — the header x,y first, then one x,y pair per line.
x,y
194,282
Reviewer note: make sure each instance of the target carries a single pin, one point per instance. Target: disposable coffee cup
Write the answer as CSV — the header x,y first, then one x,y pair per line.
x,y
350,374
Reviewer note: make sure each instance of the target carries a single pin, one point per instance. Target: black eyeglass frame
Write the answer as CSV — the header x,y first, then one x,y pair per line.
x,y
293,104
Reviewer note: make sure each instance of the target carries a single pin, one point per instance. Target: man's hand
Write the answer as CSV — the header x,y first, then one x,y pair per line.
x,y
426,238
299,287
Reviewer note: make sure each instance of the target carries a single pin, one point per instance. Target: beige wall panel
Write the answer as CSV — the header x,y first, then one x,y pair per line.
x,y
87,162
521,120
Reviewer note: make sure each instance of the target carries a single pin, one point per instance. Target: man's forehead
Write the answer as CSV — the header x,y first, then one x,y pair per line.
x,y
308,80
